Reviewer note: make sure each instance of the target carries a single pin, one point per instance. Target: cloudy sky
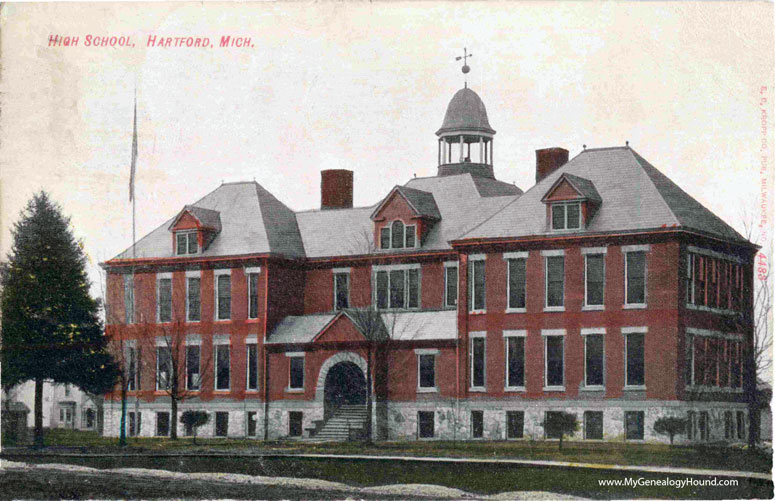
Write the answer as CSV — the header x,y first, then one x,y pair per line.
x,y
364,86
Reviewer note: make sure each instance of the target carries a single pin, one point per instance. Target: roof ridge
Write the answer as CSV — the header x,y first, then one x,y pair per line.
x,y
637,157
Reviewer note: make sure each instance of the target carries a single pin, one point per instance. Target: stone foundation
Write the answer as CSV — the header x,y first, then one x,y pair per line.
x,y
452,421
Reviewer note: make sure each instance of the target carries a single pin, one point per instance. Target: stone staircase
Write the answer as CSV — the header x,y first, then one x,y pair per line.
x,y
347,423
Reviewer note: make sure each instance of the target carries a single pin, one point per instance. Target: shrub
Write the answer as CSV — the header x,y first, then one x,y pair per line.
x,y
559,424
194,419
670,425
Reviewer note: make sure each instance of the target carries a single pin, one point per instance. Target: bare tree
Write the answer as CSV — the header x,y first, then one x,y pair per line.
x,y
175,372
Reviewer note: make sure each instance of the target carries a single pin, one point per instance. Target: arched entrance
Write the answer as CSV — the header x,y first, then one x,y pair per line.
x,y
345,385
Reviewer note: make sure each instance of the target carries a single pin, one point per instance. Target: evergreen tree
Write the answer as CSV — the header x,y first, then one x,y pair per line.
x,y
51,328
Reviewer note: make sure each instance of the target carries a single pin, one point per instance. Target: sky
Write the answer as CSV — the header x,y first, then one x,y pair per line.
x,y
364,86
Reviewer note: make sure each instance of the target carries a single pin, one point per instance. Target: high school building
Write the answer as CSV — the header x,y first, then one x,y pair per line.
x,y
472,309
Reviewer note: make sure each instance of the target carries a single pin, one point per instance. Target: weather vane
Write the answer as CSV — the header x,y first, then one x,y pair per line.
x,y
465,68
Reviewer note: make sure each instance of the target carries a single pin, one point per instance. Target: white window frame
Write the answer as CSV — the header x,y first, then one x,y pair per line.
x,y
194,340
216,274
414,231
626,331
188,234
472,336
508,257
508,334
397,267
163,342
447,265
546,254
159,278
471,260
593,251
427,353
637,248
596,331
292,355
346,272
565,205
221,340
251,340
189,275
253,270
546,334
129,286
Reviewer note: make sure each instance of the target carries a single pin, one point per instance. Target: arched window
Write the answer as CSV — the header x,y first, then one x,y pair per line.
x,y
397,234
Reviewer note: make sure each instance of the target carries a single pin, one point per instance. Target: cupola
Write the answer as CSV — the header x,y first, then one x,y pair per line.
x,y
465,137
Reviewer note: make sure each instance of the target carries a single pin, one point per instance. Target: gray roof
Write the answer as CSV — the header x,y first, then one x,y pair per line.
x,y
207,217
465,111
422,201
584,186
488,187
350,232
402,326
635,197
252,221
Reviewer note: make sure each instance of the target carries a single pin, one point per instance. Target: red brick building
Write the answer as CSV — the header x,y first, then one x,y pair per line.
x,y
471,309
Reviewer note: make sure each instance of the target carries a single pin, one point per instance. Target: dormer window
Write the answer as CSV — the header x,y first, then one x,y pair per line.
x,y
187,243
396,235
566,216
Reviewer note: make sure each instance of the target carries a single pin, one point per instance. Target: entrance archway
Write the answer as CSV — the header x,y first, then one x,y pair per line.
x,y
345,385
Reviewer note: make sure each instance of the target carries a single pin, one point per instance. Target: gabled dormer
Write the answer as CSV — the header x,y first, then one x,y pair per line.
x,y
193,229
571,203
403,218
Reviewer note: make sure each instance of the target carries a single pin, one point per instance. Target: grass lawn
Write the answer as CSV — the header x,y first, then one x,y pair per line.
x,y
710,457
478,478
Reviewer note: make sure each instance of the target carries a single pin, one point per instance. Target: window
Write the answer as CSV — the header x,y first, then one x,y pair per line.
x,y
398,236
252,367
397,288
425,424
478,362
164,297
129,299
729,427
163,367
477,424
555,281
223,297
594,279
426,371
222,367
593,425
134,423
476,278
740,425
133,368
341,290
252,295
450,286
634,343
703,426
594,360
252,423
635,277
515,362
295,420
296,374
515,424
633,425
551,429
186,243
554,350
221,424
67,390
162,424
690,427
193,361
712,280
193,299
516,283
566,216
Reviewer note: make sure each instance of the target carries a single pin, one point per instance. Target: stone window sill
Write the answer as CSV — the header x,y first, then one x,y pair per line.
x,y
428,390
550,309
554,388
634,306
593,307
516,310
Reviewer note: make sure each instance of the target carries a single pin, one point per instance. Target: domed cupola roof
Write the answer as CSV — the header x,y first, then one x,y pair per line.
x,y
466,112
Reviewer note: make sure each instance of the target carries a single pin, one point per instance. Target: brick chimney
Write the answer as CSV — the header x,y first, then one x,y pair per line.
x,y
549,160
336,189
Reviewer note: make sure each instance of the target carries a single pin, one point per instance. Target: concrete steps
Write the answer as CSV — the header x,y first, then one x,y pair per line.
x,y
348,422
